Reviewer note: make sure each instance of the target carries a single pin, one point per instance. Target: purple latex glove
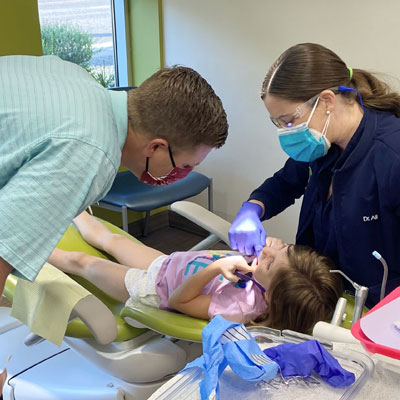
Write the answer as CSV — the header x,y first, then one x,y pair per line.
x,y
247,233
301,359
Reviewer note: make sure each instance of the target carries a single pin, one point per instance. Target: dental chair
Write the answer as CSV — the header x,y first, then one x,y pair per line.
x,y
122,345
141,347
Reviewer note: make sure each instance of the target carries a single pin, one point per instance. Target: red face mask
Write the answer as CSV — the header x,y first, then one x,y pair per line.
x,y
175,174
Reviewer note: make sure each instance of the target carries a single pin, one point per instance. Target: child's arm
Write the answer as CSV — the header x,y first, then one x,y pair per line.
x,y
187,297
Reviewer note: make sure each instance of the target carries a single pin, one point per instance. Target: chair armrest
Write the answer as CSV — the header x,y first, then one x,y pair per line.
x,y
204,218
176,325
97,317
45,296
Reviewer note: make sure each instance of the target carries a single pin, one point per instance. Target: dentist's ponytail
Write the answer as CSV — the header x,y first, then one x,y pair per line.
x,y
375,93
306,69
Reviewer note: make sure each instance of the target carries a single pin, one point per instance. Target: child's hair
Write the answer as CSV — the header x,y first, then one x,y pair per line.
x,y
178,105
304,293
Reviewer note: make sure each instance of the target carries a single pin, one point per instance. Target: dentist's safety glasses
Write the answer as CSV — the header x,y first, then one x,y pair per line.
x,y
287,120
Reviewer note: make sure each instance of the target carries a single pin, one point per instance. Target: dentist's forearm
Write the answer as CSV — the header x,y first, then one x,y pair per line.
x,y
193,286
260,204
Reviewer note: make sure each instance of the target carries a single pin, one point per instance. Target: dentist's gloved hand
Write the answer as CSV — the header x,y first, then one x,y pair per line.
x,y
247,233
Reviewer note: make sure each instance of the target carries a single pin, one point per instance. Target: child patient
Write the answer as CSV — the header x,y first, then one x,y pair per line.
x,y
300,290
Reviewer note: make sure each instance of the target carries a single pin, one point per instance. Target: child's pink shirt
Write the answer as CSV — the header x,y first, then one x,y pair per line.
x,y
239,304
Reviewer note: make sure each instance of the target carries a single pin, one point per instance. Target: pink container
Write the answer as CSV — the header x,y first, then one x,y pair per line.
x,y
368,344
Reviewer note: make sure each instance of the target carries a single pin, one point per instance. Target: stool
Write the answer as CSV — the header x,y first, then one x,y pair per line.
x,y
128,193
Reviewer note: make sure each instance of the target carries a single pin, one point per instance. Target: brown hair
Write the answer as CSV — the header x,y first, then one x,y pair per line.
x,y
304,293
307,69
178,105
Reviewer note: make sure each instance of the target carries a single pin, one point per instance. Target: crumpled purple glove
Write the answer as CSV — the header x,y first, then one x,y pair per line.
x,y
247,233
301,359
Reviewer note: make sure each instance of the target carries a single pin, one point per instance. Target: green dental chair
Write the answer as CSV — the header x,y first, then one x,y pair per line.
x,y
173,324
142,346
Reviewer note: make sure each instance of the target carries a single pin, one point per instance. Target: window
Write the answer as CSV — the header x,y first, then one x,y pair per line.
x,y
90,33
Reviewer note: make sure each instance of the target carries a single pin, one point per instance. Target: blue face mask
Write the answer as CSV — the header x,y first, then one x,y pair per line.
x,y
303,143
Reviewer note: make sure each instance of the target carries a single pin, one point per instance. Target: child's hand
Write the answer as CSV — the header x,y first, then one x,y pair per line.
x,y
228,265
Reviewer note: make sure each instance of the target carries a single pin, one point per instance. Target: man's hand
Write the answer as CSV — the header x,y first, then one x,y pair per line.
x,y
3,377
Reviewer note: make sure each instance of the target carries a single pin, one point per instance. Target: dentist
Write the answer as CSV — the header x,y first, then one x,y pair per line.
x,y
63,137
341,129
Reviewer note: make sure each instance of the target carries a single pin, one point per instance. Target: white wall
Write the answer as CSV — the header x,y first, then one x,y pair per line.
x,y
232,43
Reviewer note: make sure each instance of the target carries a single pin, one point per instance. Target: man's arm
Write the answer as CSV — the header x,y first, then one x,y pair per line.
x,y
5,270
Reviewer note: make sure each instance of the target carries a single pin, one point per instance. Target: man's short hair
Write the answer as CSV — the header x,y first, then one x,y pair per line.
x,y
178,105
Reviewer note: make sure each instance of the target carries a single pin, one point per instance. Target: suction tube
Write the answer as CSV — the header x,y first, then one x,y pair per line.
x,y
385,272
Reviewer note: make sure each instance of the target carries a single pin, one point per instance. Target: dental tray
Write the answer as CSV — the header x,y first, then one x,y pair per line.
x,y
368,344
186,385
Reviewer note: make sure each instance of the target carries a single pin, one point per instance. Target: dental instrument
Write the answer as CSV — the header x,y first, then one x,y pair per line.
x,y
385,272
339,312
249,277
360,296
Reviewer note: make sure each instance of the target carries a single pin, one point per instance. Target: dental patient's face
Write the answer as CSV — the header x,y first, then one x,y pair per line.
x,y
270,261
